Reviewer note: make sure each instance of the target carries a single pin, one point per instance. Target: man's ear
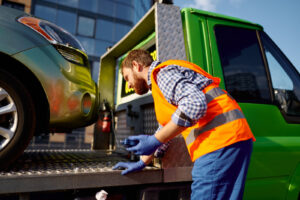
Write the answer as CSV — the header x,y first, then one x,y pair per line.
x,y
136,66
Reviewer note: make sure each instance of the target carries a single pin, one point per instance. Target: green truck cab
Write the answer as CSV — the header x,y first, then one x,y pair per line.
x,y
252,69
266,85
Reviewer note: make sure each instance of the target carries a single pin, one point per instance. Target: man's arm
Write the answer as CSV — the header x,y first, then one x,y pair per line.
x,y
168,132
147,159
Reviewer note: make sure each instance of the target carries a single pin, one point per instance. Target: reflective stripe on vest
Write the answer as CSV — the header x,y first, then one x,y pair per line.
x,y
217,121
213,93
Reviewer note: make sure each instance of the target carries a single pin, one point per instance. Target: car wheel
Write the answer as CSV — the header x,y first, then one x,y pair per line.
x,y
17,118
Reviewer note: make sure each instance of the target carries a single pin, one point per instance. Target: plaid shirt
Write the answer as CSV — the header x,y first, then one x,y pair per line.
x,y
182,87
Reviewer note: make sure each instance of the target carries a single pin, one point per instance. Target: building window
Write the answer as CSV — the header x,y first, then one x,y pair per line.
x,y
14,5
86,26
53,1
70,3
101,47
67,20
45,12
95,71
243,67
121,30
129,2
89,5
105,30
141,7
124,12
88,44
106,7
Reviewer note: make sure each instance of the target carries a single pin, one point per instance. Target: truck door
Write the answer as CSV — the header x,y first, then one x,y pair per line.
x,y
265,84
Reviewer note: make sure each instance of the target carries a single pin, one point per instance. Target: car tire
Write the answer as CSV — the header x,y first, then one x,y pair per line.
x,y
17,118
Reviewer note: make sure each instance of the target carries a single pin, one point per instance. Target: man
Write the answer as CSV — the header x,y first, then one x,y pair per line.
x,y
188,100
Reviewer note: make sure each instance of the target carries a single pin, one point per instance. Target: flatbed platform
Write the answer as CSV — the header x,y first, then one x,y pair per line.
x,y
53,170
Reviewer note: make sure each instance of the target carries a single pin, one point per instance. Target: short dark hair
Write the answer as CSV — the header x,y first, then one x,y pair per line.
x,y
139,55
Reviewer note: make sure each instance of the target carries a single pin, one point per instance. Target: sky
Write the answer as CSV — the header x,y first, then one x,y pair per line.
x,y
280,19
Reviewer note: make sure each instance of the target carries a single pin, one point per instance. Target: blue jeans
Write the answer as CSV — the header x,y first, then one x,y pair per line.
x,y
221,174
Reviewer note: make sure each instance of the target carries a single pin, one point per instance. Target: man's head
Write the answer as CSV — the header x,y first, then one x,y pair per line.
x,y
135,70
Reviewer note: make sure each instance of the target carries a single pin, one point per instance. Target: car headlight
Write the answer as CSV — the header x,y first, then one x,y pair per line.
x,y
66,44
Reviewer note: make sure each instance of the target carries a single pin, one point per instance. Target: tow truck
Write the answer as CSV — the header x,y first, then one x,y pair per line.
x,y
271,108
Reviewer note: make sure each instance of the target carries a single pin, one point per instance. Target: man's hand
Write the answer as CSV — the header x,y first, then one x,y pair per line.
x,y
130,166
146,144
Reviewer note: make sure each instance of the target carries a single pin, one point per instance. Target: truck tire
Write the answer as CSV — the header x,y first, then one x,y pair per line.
x,y
17,118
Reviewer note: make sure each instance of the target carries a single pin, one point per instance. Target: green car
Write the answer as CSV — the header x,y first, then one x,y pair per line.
x,y
45,82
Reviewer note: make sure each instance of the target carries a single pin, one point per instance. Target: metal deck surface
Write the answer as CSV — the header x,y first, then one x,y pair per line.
x,y
46,170
43,162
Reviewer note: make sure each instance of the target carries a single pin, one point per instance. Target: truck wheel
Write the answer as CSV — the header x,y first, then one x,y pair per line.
x,y
17,118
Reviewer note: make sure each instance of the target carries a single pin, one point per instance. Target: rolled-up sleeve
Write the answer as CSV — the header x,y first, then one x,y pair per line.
x,y
191,105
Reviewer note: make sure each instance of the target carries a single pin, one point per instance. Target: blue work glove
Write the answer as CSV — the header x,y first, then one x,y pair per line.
x,y
130,166
146,144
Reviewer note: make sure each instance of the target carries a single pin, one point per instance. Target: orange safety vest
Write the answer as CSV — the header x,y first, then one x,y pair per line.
x,y
224,123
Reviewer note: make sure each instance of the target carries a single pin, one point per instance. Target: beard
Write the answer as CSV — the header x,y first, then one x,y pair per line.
x,y
140,85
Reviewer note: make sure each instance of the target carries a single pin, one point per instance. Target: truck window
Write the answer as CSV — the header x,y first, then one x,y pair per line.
x,y
285,78
242,63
